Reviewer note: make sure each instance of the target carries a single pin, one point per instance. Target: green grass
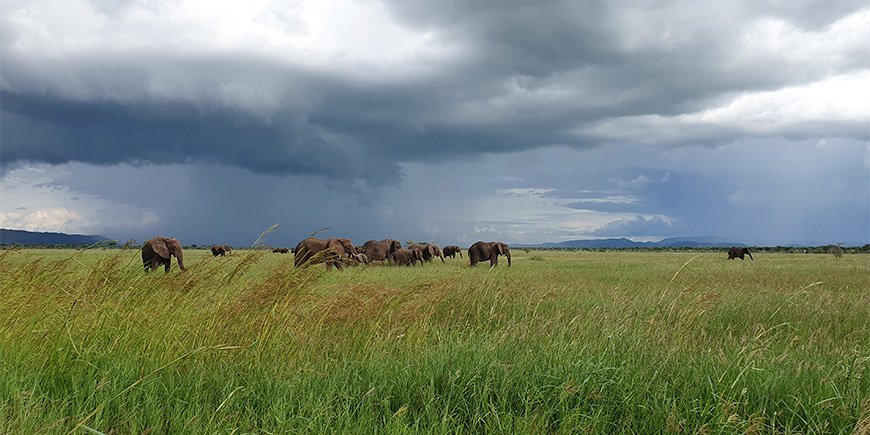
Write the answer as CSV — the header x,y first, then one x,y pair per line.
x,y
559,342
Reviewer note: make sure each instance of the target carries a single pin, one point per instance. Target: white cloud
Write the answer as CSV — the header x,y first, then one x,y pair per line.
x,y
528,191
34,199
835,106
59,219
839,98
841,43
635,183
635,226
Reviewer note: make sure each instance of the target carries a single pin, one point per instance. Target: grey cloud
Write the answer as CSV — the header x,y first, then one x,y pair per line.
x,y
549,73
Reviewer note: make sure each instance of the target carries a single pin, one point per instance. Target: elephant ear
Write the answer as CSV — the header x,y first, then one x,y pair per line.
x,y
159,246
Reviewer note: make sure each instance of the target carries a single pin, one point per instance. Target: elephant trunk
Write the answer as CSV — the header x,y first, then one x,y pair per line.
x,y
180,257
508,255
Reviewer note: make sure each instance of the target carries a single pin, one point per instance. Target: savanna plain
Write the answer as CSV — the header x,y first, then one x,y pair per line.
x,y
560,342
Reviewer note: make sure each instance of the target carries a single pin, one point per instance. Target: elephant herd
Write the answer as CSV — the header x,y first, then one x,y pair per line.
x,y
341,252
338,252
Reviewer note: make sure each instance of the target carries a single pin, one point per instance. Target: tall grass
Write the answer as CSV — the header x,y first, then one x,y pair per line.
x,y
570,342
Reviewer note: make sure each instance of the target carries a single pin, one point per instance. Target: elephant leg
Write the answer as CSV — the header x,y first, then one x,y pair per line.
x,y
166,266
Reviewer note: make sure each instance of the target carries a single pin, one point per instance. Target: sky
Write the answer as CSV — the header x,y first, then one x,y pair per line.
x,y
444,121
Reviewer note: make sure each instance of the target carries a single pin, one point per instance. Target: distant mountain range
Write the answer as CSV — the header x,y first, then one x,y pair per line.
x,y
672,242
30,238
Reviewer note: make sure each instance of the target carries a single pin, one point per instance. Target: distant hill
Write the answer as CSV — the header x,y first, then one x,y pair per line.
x,y
672,242
31,238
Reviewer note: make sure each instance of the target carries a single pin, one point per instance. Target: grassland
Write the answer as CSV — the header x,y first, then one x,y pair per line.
x,y
560,342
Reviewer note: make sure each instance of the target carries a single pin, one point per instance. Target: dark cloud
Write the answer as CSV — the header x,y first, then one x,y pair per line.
x,y
533,75
500,119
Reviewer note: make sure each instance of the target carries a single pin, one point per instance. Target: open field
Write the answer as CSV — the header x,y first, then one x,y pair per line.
x,y
560,342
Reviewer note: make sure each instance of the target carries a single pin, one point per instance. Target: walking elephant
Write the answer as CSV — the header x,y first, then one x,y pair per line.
x,y
306,251
429,250
407,257
381,251
159,250
452,250
488,250
735,252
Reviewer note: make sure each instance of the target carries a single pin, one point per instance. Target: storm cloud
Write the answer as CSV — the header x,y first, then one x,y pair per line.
x,y
358,100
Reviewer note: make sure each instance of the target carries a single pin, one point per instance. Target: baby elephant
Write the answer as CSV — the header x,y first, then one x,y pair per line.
x,y
739,252
407,257
452,250
220,250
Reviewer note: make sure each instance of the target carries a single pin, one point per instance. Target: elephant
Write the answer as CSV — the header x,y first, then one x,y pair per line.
x,y
452,250
429,250
381,251
491,250
220,250
735,252
159,250
306,251
407,257
280,250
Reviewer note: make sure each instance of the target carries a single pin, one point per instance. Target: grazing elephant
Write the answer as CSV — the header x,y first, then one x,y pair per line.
x,y
735,252
160,250
429,250
307,249
488,250
452,250
407,257
281,250
381,251
220,250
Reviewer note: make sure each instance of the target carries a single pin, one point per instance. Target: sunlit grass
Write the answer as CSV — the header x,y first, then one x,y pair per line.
x,y
559,342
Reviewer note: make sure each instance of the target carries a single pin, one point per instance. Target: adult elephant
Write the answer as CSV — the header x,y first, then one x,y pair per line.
x,y
280,250
306,251
220,250
381,250
429,250
159,250
488,250
735,252
407,257
452,250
